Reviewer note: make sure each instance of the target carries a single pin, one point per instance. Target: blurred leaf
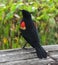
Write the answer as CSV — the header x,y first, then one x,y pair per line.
x,y
9,16
6,31
52,22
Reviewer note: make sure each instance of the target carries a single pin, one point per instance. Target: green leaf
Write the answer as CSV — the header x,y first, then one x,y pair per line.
x,y
9,16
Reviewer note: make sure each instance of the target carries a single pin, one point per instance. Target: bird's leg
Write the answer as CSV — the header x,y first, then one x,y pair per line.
x,y
24,46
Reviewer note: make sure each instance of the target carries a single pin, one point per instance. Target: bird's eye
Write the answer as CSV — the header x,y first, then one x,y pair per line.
x,y
23,25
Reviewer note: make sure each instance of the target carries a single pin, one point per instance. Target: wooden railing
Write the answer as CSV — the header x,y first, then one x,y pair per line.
x,y
28,56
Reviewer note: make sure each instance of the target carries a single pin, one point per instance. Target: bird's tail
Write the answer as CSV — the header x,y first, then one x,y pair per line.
x,y
41,53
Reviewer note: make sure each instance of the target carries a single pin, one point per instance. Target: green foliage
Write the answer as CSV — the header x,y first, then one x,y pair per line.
x,y
43,12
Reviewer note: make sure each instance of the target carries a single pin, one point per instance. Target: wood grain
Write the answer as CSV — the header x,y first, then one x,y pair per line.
x,y
27,56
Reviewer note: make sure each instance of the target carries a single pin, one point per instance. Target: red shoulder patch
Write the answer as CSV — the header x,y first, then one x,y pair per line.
x,y
23,25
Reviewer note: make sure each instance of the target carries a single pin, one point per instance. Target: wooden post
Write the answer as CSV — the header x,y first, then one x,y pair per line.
x,y
28,56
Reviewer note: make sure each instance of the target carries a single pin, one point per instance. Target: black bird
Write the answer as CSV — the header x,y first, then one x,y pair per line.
x,y
29,32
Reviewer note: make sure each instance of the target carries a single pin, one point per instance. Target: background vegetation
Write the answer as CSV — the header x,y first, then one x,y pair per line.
x,y
44,13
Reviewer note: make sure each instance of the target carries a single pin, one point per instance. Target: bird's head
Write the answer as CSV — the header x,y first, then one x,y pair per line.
x,y
26,14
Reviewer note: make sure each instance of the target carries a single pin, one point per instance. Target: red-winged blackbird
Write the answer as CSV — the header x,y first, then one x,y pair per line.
x,y
29,32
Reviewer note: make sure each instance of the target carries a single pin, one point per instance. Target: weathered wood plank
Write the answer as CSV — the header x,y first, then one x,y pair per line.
x,y
27,56
47,48
28,62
